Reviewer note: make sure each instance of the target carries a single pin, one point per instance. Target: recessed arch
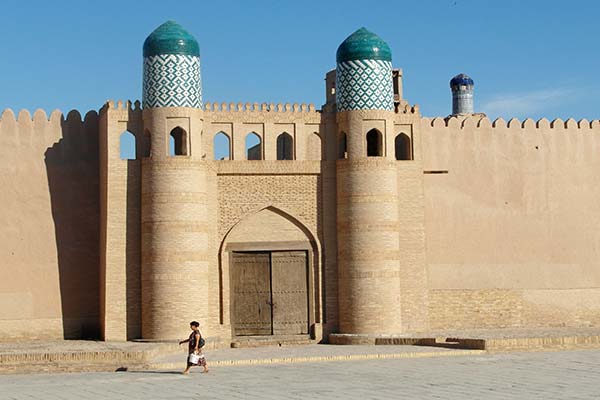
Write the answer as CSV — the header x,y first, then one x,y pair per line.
x,y
127,146
403,147
253,146
278,231
178,142
374,143
285,147
222,146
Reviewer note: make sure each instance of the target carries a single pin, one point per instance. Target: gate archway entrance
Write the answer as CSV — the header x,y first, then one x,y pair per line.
x,y
270,277
270,293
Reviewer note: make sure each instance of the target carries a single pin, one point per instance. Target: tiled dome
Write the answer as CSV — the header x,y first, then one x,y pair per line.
x,y
363,45
461,80
171,38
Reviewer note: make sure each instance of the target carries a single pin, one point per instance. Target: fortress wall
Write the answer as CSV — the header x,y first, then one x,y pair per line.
x,y
512,227
49,211
294,190
302,122
120,253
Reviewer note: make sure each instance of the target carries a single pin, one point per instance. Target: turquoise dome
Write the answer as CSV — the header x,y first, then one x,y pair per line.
x,y
363,45
171,38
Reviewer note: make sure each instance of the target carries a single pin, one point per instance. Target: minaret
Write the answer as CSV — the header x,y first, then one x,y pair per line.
x,y
367,188
174,228
462,94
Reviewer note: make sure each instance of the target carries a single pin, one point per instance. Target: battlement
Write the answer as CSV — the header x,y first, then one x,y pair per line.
x,y
264,107
40,116
121,105
512,124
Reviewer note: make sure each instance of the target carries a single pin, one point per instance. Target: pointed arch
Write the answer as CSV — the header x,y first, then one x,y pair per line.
x,y
285,147
178,142
280,227
127,146
403,147
253,146
374,143
222,146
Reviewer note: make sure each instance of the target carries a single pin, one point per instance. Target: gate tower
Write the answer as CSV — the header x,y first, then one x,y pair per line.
x,y
367,188
174,229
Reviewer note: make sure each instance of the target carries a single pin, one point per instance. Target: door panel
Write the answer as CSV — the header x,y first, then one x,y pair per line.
x,y
250,283
290,292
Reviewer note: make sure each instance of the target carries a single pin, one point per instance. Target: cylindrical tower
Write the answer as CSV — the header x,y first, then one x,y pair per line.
x,y
462,94
174,229
367,189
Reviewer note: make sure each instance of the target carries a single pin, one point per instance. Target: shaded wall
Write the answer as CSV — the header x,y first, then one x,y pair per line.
x,y
49,213
512,227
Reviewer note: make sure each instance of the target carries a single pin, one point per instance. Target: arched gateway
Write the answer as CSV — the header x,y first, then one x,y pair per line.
x,y
269,261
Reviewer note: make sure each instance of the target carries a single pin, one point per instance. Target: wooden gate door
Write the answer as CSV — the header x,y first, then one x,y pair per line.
x,y
251,286
289,285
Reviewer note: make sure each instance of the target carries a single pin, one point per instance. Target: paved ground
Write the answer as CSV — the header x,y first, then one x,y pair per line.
x,y
543,375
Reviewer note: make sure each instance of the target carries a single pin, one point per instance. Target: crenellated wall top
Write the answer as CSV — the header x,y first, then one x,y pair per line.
x,y
254,112
512,124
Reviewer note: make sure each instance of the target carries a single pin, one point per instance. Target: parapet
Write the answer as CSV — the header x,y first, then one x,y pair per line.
x,y
557,124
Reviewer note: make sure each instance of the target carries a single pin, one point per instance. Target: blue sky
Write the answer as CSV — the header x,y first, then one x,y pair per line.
x,y
527,58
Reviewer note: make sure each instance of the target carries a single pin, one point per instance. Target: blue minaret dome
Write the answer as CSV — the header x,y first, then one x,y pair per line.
x,y
364,73
462,94
461,79
171,68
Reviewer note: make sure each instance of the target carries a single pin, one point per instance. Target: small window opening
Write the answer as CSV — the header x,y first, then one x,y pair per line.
x,y
178,142
222,146
285,147
374,143
127,146
253,147
403,147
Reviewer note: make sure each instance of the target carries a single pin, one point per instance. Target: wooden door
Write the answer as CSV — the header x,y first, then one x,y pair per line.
x,y
289,285
250,283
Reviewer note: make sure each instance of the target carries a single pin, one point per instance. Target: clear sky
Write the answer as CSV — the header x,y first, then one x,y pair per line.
x,y
527,58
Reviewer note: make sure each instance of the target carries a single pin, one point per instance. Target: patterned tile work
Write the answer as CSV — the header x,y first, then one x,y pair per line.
x,y
172,80
364,85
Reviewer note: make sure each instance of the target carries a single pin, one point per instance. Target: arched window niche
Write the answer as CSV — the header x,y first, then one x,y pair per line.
x,y
285,147
222,146
374,143
127,146
178,142
403,147
253,146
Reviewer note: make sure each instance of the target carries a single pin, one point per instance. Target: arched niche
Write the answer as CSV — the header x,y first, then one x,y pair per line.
x,y
285,147
374,143
127,146
178,142
403,147
222,146
269,230
253,146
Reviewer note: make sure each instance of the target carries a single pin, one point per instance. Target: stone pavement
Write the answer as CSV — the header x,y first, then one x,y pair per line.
x,y
306,353
539,375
